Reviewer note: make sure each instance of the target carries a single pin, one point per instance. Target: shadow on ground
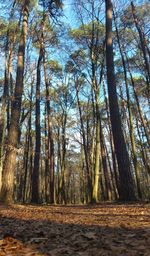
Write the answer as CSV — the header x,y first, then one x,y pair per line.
x,y
76,231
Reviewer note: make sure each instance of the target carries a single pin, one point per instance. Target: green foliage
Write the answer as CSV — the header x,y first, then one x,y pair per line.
x,y
53,7
49,33
90,39
64,96
140,86
55,67
70,67
142,12
79,57
8,31
84,32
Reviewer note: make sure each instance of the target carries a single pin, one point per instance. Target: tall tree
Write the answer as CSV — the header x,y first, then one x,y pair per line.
x,y
11,151
131,127
126,186
36,169
143,42
4,112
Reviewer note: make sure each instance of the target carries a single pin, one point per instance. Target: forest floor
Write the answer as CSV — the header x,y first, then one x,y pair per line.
x,y
101,230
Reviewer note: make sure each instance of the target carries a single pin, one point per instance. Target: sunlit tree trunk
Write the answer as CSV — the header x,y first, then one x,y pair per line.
x,y
11,149
4,112
97,151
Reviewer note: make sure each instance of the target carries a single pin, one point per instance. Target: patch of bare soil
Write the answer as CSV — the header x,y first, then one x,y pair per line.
x,y
102,230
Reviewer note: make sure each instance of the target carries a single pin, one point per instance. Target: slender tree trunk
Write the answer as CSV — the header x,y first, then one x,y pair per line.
x,y
62,180
36,168
105,167
25,163
50,135
114,162
97,153
3,124
11,149
126,186
144,124
112,175
5,97
90,135
9,88
143,43
131,129
50,141
47,181
58,166
82,178
4,113
145,158
28,151
89,182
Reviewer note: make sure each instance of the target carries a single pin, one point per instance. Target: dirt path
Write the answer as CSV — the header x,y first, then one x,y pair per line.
x,y
103,230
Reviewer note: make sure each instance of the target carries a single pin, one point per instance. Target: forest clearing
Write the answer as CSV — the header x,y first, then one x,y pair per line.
x,y
101,230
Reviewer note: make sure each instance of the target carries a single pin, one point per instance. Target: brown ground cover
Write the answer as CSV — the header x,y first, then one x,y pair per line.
x,y
101,230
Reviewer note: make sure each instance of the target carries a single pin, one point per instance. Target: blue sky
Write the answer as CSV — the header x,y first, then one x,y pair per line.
x,y
69,14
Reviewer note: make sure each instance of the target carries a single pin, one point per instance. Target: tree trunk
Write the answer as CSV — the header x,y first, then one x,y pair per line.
x,y
89,182
143,43
28,151
114,163
131,128
105,167
47,178
126,185
145,127
63,159
11,149
97,152
50,135
36,168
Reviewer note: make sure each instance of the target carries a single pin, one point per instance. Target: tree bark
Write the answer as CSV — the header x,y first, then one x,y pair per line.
x,y
130,121
28,151
36,168
4,113
126,185
89,181
11,150
50,135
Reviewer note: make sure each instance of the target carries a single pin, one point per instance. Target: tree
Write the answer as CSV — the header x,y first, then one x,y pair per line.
x,y
10,30
126,186
11,151
37,153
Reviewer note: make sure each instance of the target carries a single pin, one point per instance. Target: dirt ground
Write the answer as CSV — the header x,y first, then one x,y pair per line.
x,y
101,230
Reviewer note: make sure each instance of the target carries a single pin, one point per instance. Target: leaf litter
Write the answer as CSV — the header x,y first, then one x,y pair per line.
x,y
101,230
